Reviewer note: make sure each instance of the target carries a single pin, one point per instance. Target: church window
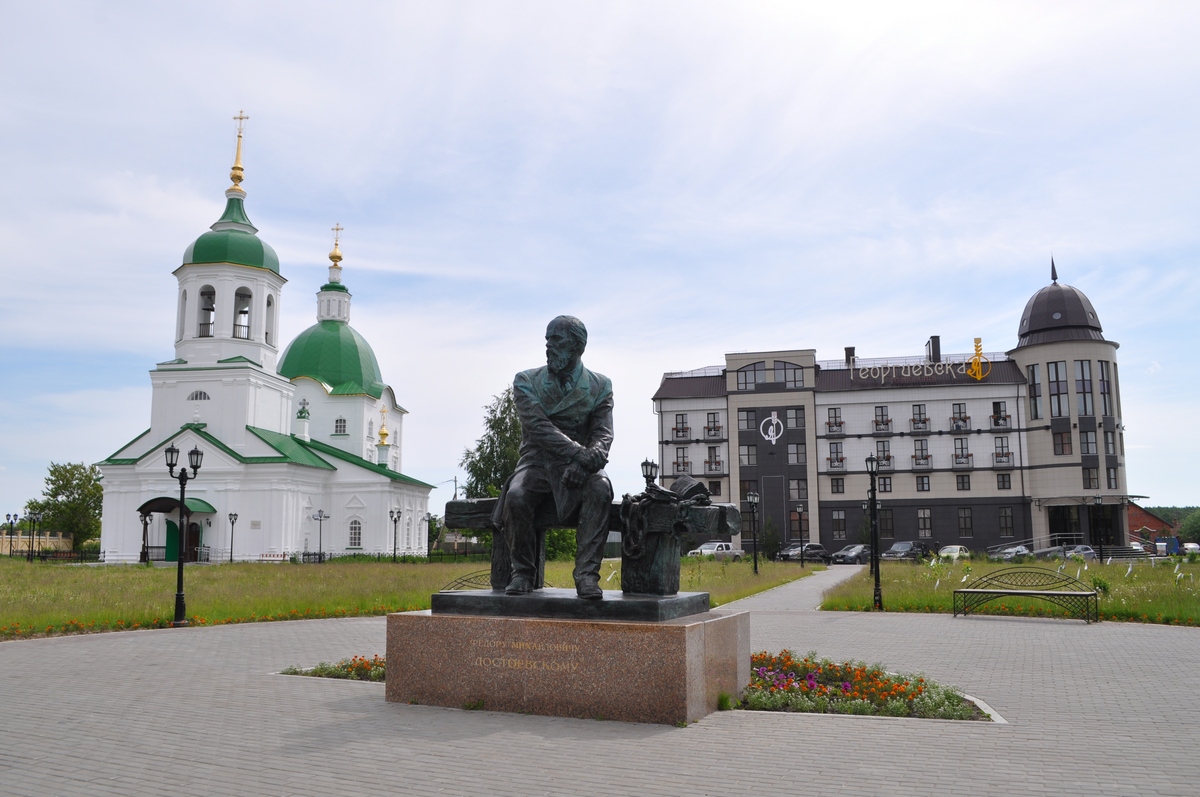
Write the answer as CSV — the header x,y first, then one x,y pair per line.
x,y
182,316
241,313
269,334
370,428
198,395
339,426
208,311
355,534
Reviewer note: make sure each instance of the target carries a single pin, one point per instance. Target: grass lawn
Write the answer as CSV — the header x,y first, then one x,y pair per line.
x,y
1166,592
40,599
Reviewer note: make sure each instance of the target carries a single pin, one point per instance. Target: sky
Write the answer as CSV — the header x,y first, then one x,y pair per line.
x,y
688,178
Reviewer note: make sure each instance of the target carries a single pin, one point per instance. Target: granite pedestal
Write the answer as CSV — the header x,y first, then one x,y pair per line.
x,y
668,672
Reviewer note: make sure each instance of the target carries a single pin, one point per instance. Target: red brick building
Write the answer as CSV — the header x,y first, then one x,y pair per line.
x,y
1146,524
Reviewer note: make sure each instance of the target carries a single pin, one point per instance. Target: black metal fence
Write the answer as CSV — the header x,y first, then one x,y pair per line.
x,y
61,556
474,554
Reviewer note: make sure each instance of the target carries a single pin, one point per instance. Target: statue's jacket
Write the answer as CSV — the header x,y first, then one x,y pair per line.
x,y
555,424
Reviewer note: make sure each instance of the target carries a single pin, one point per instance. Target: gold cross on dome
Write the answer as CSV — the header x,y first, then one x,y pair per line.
x,y
240,118
337,232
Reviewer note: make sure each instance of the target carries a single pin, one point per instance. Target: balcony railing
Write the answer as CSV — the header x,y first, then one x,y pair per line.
x,y
712,431
836,463
882,426
682,467
887,463
960,423
1002,459
920,424
1001,421
964,461
241,331
835,427
714,466
681,431
922,463
205,329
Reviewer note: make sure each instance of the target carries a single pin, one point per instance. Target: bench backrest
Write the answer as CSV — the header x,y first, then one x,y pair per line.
x,y
1029,578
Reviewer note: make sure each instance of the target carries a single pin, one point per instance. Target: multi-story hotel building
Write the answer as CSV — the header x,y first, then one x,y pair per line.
x,y
974,449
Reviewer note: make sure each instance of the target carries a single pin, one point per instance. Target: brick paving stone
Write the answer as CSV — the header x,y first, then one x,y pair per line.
x,y
1110,709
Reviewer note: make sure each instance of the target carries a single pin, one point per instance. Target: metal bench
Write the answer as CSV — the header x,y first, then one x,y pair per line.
x,y
1030,582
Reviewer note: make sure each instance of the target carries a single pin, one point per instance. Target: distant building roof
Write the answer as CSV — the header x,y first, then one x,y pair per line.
x,y
691,386
920,375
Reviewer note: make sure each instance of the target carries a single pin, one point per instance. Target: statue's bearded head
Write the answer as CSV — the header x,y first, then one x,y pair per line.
x,y
566,338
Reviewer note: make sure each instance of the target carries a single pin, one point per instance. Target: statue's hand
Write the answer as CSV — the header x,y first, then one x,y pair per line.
x,y
574,476
591,459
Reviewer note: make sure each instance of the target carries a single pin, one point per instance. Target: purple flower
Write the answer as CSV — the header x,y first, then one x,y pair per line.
x,y
846,686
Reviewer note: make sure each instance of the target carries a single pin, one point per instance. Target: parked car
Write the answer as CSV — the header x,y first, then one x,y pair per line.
x,y
1010,553
1137,546
955,552
1080,550
911,550
813,552
1191,547
721,550
852,555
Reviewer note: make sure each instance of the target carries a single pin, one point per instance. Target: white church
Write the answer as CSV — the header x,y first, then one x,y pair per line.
x,y
285,440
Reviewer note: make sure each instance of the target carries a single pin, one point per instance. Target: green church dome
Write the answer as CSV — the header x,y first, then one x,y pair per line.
x,y
333,353
233,239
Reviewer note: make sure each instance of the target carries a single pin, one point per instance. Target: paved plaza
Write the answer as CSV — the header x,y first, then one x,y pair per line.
x,y
1108,709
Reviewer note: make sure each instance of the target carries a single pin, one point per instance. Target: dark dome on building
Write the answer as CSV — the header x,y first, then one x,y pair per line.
x,y
1058,312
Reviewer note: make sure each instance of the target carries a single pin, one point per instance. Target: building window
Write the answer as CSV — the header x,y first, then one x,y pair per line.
x,y
750,375
1105,388
797,489
839,524
799,524
339,426
355,534
790,374
1056,375
1091,478
965,526
883,423
919,413
921,448
747,420
198,395
922,484
747,486
1112,478
1083,387
887,524
241,314
681,460
748,455
370,428
999,413
963,480
796,454
1062,443
713,427
681,425
1087,442
960,412
837,485
1002,446
835,419
714,464
883,452
1035,393
962,454
208,311
714,488
924,523
1110,443
1003,481
885,484
1006,521
794,417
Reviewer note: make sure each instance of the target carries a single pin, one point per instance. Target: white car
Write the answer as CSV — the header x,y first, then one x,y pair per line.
x,y
1191,547
954,552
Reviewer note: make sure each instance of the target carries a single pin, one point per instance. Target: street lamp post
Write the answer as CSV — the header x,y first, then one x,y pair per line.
x,y
649,471
395,516
752,498
195,457
12,519
873,471
232,524
320,517
1099,501
144,557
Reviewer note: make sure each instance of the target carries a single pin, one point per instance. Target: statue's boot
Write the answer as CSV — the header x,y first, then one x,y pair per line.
x,y
589,588
519,585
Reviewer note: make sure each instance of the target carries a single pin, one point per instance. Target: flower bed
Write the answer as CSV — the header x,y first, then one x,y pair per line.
x,y
784,682
356,668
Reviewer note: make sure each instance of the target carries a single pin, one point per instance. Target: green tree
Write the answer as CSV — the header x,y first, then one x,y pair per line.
x,y
1190,529
494,457
771,542
560,545
71,501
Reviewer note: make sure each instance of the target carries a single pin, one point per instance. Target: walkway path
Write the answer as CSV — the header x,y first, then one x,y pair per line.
x,y
1109,709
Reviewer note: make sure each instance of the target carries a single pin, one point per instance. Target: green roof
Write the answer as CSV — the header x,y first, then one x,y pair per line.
x,y
334,354
233,239
292,450
199,505
335,286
